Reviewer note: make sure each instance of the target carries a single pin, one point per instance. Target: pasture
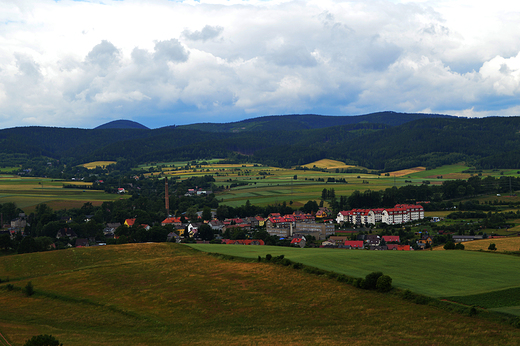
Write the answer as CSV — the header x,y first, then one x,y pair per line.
x,y
432,273
27,193
169,294
264,185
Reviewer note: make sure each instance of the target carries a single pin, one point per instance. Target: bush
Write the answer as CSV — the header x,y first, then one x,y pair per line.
x,y
449,246
408,295
384,283
43,340
370,281
9,287
268,257
29,289
492,247
459,246
297,266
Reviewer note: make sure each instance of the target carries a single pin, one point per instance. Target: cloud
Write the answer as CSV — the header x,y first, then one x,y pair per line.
x,y
207,33
103,55
71,63
170,50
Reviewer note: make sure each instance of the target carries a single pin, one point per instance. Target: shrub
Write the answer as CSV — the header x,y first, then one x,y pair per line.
x,y
449,246
370,281
259,259
43,340
29,289
492,247
459,246
408,295
473,311
297,266
268,257
384,283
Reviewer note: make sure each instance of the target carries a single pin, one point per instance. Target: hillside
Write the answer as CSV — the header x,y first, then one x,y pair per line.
x,y
121,124
168,294
308,122
286,141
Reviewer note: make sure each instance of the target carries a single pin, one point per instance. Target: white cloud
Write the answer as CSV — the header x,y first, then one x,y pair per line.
x,y
71,63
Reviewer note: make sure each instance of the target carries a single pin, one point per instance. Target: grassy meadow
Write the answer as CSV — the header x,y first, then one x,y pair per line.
x,y
170,294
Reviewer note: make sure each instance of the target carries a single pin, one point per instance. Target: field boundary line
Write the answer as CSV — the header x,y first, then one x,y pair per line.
x,y
4,341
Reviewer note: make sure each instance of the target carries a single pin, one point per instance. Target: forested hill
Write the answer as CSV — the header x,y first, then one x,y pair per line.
x,y
427,141
309,121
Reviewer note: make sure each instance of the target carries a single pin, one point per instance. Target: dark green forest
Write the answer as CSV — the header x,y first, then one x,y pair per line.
x,y
382,141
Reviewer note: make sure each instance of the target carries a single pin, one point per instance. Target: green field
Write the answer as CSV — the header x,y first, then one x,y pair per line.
x,y
432,273
169,294
29,192
263,185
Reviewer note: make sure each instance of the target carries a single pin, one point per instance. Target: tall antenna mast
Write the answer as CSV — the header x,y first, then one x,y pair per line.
x,y
166,197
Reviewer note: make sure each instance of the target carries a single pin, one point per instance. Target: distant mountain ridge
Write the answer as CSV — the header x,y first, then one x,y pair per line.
x,y
309,121
121,124
385,141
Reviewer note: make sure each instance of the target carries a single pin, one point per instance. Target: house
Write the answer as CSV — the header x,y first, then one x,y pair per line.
x,y
216,225
425,240
391,239
82,242
173,237
300,241
129,222
462,238
174,221
372,240
355,244
66,233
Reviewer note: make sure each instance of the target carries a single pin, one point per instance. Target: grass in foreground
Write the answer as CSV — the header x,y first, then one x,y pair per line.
x,y
167,294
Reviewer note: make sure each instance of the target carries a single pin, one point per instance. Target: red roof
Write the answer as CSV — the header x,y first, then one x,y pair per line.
x,y
171,220
244,241
354,243
130,222
391,238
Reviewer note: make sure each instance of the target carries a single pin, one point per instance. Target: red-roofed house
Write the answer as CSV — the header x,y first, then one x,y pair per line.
x,y
354,244
391,238
129,222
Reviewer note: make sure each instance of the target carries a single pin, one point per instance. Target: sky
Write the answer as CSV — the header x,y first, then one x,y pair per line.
x,y
160,63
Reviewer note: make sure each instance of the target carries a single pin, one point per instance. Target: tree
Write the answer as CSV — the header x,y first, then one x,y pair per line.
x,y
43,340
459,246
205,232
384,283
449,246
206,213
29,289
370,281
492,247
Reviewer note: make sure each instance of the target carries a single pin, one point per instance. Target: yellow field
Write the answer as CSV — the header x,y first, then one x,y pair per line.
x,y
328,164
92,165
403,172
502,244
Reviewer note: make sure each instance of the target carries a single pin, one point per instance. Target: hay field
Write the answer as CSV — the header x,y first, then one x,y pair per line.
x,y
502,244
168,294
409,171
328,164
102,164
